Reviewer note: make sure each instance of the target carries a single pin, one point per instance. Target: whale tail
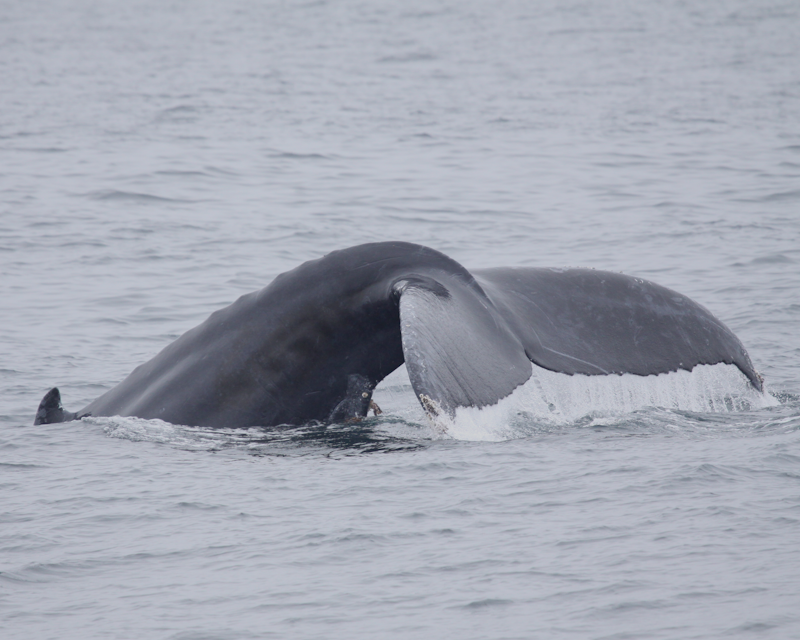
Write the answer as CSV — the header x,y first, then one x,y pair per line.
x,y
51,411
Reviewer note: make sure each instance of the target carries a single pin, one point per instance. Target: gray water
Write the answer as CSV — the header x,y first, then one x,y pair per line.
x,y
158,160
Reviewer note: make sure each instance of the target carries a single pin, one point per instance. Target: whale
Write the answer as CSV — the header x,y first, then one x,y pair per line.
x,y
312,345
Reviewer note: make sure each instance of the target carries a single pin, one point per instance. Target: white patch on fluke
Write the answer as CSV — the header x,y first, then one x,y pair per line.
x,y
558,398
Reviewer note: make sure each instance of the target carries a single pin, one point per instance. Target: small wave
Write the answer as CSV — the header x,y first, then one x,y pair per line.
x,y
20,466
183,113
181,174
488,602
417,56
43,149
114,194
782,196
291,155
181,108
774,258
372,435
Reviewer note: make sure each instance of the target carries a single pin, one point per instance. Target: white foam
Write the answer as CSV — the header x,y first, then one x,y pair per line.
x,y
175,435
558,398
546,399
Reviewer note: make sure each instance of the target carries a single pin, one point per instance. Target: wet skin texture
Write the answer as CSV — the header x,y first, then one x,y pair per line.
x,y
310,344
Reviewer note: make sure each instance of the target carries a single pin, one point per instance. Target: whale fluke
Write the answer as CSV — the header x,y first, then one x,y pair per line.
x,y
312,345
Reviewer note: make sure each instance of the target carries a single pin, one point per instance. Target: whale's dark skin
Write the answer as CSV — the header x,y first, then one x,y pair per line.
x,y
357,401
310,344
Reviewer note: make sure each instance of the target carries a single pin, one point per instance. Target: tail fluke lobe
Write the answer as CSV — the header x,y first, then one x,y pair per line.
x,y
51,411
459,351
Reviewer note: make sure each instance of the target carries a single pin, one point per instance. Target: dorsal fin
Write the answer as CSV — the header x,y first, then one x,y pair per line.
x,y
50,410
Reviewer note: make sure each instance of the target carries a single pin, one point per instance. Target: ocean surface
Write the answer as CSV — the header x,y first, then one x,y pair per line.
x,y
160,159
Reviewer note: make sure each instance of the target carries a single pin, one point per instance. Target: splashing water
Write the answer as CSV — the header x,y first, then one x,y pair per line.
x,y
546,400
557,398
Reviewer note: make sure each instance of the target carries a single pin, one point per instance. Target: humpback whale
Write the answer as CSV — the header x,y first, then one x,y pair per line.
x,y
312,345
